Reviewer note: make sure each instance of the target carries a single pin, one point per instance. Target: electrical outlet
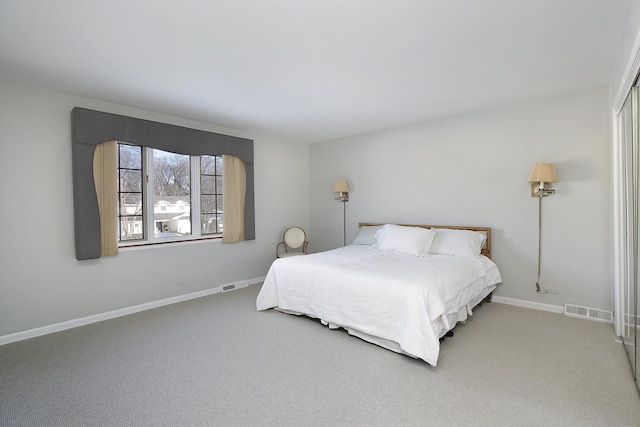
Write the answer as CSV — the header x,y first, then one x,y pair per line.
x,y
544,290
182,282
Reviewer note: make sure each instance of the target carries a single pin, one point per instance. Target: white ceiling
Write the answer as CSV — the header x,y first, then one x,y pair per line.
x,y
312,70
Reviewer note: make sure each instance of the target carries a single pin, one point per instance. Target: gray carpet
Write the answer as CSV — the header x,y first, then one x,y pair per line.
x,y
216,361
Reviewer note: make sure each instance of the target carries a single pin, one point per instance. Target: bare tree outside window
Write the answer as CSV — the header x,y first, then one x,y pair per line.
x,y
171,174
172,190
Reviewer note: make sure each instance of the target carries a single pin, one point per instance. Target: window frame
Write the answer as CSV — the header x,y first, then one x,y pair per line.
x,y
142,193
148,205
218,192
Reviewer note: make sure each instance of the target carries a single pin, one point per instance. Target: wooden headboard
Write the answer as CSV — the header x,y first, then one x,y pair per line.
x,y
486,249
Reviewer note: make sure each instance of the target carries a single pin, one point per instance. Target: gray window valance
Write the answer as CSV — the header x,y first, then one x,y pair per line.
x,y
90,128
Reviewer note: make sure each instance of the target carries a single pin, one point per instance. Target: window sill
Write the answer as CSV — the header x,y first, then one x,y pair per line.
x,y
146,245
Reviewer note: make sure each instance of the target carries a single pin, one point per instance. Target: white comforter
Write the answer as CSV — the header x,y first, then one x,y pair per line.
x,y
395,297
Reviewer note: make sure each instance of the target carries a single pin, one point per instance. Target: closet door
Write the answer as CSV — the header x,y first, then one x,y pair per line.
x,y
630,183
635,361
633,348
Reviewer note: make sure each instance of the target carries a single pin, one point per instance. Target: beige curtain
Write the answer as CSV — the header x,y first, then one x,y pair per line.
x,y
234,187
105,176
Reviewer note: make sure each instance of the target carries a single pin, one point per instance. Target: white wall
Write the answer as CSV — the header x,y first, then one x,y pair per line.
x,y
42,283
626,55
469,169
473,170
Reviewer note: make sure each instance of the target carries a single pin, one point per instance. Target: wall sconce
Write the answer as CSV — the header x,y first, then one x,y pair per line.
x,y
340,186
540,175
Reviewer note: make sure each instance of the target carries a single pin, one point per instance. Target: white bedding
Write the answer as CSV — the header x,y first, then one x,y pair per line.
x,y
405,300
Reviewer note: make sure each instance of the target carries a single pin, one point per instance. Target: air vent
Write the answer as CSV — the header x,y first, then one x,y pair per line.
x,y
235,285
588,313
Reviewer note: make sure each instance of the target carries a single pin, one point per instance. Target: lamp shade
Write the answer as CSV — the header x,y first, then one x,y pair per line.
x,y
340,186
543,172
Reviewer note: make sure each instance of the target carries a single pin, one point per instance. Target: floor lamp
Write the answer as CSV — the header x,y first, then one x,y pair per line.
x,y
541,174
340,186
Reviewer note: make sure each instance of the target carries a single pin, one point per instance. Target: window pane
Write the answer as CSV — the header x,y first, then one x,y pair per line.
x,y
130,180
208,204
130,156
172,194
211,224
208,184
208,165
131,228
130,199
130,204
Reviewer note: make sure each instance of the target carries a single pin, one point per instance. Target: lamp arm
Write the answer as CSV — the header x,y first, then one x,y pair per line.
x,y
343,197
538,189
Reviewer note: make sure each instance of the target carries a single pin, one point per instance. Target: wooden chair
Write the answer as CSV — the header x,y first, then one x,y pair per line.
x,y
294,242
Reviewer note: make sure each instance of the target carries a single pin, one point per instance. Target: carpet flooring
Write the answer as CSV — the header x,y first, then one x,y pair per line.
x,y
217,361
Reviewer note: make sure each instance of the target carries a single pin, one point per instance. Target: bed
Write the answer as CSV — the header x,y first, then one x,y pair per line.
x,y
402,287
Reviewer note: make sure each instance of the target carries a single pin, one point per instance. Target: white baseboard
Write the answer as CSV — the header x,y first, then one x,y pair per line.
x,y
57,327
528,304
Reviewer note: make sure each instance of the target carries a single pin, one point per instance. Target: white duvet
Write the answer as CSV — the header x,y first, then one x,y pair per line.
x,y
399,298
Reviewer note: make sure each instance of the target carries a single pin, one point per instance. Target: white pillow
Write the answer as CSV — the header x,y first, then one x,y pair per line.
x,y
366,235
413,241
457,242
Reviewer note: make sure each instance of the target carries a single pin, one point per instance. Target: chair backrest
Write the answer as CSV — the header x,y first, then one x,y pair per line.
x,y
294,237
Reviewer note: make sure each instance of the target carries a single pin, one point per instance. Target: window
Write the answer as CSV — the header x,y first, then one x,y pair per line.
x,y
95,166
165,196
